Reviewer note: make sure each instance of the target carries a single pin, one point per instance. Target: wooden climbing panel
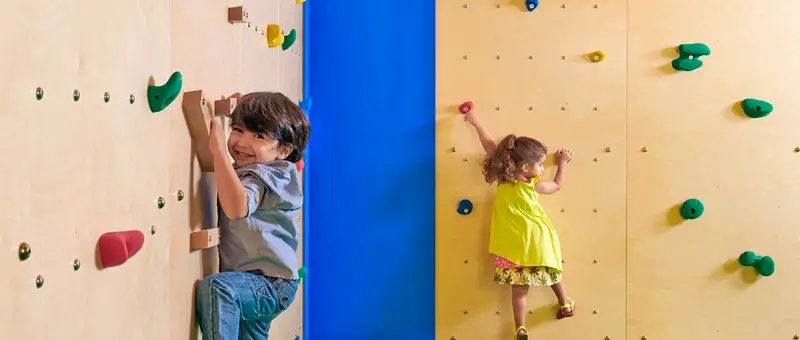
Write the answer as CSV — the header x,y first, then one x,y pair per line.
x,y
645,138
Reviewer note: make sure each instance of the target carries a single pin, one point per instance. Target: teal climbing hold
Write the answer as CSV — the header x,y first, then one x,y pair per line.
x,y
289,39
764,265
755,108
159,97
692,209
464,207
689,59
302,272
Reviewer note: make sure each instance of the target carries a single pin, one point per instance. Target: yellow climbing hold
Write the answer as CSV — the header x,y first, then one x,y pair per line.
x,y
597,56
274,36
299,1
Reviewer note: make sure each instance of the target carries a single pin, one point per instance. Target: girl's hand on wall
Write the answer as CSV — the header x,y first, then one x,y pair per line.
x,y
563,156
470,117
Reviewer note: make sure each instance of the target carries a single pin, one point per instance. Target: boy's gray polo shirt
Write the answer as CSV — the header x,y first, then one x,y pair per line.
x,y
266,238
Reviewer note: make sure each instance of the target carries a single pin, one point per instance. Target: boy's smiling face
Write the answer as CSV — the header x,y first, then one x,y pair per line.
x,y
247,147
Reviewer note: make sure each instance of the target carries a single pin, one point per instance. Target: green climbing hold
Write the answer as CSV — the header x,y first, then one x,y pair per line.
x,y
689,56
302,272
289,39
159,97
692,209
755,108
764,265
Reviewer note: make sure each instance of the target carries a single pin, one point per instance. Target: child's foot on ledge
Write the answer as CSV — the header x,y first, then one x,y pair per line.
x,y
566,310
522,333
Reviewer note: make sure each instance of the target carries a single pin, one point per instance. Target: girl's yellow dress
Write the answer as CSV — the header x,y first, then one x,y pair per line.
x,y
524,241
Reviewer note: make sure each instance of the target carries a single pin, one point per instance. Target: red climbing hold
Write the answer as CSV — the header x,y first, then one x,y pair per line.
x,y
300,165
117,247
465,107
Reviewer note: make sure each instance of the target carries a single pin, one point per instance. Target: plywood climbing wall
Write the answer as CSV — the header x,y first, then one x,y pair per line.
x,y
645,138
82,159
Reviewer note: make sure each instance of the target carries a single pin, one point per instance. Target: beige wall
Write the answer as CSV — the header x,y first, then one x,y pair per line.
x,y
632,266
74,170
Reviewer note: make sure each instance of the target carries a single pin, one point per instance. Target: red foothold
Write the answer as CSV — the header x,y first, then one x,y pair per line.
x,y
117,247
300,165
465,107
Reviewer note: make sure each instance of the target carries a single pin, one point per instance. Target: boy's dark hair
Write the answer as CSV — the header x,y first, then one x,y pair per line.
x,y
276,116
511,153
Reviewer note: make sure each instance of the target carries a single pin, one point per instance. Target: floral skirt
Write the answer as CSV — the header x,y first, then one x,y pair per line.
x,y
509,273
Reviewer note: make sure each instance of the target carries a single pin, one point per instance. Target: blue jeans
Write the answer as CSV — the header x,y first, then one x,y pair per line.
x,y
241,305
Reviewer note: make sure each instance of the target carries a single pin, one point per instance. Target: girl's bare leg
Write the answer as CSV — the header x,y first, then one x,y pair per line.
x,y
561,293
519,301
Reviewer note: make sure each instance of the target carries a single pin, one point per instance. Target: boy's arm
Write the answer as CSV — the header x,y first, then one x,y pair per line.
x,y
232,196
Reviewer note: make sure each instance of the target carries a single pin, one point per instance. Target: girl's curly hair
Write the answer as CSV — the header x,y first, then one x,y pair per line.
x,y
512,152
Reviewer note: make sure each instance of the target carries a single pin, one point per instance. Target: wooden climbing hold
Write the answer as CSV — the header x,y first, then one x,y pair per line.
x,y
197,116
597,56
225,107
465,107
237,15
115,248
159,97
204,239
531,5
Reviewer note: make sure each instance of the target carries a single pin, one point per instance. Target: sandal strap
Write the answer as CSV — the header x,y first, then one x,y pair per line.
x,y
570,304
521,328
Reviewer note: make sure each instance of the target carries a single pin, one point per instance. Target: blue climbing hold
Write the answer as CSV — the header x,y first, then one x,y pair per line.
x,y
464,207
531,5
305,105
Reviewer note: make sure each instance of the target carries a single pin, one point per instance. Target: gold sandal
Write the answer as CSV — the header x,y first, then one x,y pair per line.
x,y
523,336
562,313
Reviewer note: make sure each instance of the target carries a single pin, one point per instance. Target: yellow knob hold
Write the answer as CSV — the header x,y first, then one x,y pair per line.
x,y
299,1
274,36
597,56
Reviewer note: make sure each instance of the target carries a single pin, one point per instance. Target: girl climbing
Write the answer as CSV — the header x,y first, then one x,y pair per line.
x,y
525,244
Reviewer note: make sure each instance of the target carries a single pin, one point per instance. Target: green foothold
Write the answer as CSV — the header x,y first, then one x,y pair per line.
x,y
302,272
696,49
289,39
692,209
159,97
755,108
764,265
685,64
689,56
